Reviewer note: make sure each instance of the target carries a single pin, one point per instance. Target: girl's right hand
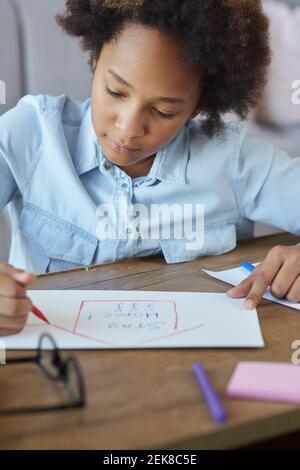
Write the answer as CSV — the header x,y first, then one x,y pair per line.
x,y
14,305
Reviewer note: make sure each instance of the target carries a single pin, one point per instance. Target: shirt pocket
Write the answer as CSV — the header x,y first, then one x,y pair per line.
x,y
55,244
214,240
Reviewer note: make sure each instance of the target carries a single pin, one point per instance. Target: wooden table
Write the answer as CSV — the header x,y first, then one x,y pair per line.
x,y
149,399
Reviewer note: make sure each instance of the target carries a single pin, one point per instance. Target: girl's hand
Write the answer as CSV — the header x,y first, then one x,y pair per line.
x,y
14,305
280,270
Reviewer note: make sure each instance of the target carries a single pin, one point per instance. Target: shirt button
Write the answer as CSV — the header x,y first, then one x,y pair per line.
x,y
129,230
124,186
106,166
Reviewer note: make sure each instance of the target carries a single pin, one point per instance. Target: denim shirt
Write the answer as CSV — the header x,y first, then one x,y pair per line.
x,y
58,186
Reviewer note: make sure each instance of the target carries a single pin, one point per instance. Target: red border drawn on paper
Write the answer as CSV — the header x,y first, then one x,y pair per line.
x,y
174,332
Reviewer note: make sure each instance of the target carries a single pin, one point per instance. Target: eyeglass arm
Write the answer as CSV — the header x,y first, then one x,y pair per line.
x,y
21,360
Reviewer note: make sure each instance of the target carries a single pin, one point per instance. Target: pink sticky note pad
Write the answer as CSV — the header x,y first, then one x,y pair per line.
x,y
272,381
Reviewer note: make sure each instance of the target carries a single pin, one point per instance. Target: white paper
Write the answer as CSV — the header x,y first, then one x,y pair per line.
x,y
139,319
236,275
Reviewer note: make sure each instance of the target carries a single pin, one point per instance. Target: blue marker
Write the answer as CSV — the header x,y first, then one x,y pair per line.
x,y
250,267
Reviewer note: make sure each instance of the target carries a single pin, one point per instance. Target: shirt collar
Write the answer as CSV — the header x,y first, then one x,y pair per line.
x,y
169,164
174,159
87,155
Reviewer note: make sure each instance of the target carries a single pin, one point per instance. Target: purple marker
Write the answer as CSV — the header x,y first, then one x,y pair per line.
x,y
213,402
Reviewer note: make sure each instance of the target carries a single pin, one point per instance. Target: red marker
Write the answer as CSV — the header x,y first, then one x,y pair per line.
x,y
39,314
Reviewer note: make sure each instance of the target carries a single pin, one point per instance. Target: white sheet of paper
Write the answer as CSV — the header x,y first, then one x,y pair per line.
x,y
236,275
139,319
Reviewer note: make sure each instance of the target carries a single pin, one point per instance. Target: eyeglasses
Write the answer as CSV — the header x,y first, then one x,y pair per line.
x,y
67,371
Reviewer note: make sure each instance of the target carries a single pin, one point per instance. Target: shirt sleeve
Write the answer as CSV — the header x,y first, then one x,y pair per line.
x,y
8,186
19,138
267,184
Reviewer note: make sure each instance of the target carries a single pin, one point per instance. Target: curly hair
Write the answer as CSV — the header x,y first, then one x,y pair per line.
x,y
228,39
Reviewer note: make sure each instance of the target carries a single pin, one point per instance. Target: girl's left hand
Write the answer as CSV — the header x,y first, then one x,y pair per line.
x,y
280,270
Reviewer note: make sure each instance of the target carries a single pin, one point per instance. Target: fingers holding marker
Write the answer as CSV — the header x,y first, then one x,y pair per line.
x,y
14,304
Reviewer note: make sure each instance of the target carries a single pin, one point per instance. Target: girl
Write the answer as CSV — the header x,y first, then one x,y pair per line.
x,y
119,174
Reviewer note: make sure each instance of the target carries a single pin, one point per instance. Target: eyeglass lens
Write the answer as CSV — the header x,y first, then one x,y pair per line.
x,y
72,378
49,357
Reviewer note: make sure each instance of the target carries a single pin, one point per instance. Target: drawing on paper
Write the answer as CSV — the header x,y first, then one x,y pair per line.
x,y
134,321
